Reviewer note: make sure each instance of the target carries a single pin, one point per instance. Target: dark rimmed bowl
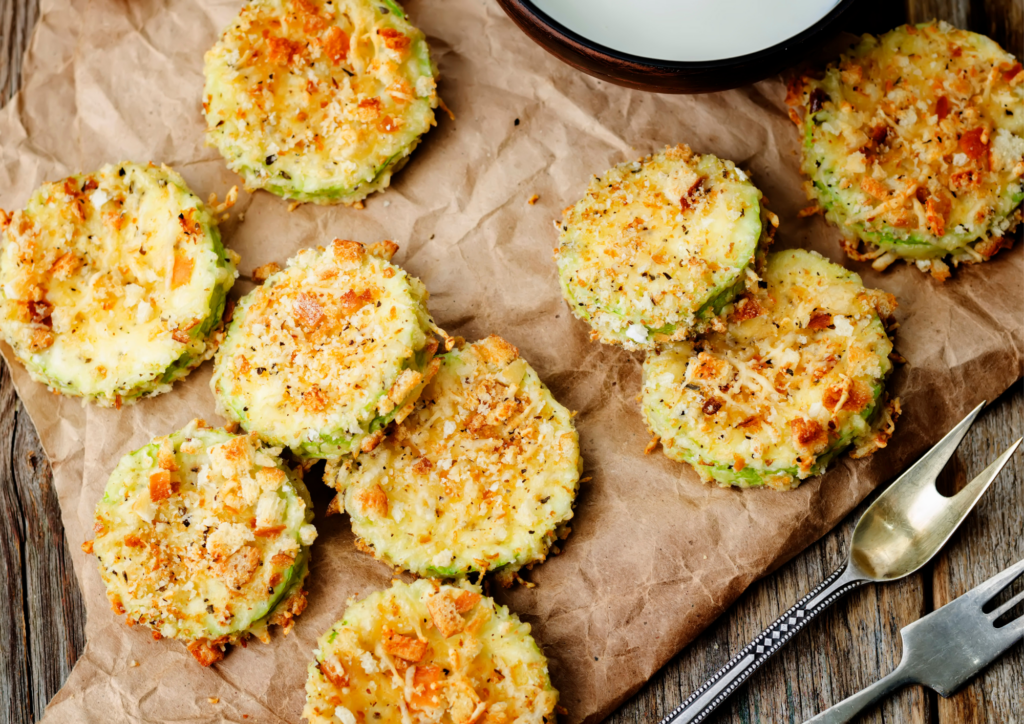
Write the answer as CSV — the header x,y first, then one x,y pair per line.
x,y
664,76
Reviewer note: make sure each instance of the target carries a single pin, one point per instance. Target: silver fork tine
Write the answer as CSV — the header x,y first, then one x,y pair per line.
x,y
1014,628
1007,606
977,487
984,593
943,649
927,469
899,533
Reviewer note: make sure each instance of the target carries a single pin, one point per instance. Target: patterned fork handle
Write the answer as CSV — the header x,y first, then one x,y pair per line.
x,y
719,687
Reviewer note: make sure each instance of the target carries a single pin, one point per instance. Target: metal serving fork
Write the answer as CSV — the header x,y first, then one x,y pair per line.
x,y
947,647
901,531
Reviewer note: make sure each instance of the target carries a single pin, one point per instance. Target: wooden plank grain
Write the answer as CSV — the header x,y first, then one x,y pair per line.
x,y
989,540
17,19
955,12
15,676
42,618
857,641
54,608
1001,20
842,651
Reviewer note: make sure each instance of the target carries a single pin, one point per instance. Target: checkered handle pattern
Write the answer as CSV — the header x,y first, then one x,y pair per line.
x,y
719,687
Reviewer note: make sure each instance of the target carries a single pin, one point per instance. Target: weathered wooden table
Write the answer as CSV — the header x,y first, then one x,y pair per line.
x,y
42,617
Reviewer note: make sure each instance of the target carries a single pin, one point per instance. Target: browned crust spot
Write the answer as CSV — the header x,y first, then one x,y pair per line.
x,y
205,652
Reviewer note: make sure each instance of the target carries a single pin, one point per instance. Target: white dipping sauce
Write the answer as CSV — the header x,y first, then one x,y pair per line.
x,y
687,30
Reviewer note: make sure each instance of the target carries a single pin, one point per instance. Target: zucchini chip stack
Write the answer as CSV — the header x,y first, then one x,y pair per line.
x,y
327,352
797,377
657,247
204,537
481,476
112,284
319,100
426,652
914,145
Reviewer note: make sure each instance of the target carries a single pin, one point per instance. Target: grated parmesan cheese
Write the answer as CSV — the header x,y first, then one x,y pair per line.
x,y
936,167
203,565
762,401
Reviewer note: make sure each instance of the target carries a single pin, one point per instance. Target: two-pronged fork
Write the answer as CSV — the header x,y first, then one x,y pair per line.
x,y
947,647
901,531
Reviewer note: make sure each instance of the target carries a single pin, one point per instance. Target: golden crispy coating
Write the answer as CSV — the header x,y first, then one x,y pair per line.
x,y
914,144
319,100
480,476
797,376
389,661
325,353
656,247
203,536
112,284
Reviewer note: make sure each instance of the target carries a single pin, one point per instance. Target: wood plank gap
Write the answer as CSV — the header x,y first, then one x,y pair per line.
x,y
26,608
17,20
15,680
55,611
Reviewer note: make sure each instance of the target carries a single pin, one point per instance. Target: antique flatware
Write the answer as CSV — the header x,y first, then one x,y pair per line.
x,y
947,647
900,532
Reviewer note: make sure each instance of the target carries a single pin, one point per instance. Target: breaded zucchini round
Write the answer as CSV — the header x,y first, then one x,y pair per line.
x,y
480,476
426,652
914,145
657,247
203,536
797,377
112,284
326,353
319,100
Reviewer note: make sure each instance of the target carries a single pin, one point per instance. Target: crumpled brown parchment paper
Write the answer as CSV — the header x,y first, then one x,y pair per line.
x,y
654,555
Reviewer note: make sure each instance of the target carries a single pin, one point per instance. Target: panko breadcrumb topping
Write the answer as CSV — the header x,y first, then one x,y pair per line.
x,y
319,100
797,377
327,352
423,653
480,476
203,536
657,247
914,144
112,284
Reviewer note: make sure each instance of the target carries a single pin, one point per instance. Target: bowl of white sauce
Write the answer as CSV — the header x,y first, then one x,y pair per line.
x,y
678,46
